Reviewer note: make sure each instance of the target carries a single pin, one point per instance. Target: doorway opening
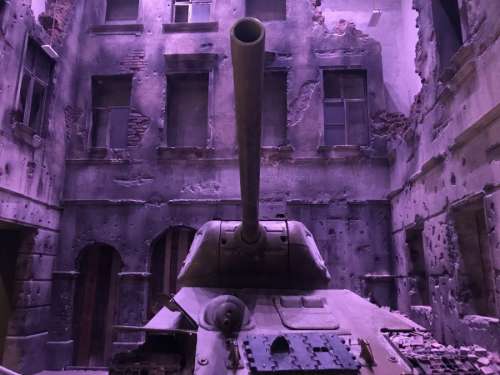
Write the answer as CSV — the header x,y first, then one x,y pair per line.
x,y
95,305
169,251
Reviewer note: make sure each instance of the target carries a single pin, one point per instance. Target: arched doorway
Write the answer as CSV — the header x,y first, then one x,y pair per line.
x,y
169,251
95,305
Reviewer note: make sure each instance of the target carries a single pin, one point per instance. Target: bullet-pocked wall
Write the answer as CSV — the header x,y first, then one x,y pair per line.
x,y
33,93
153,146
445,177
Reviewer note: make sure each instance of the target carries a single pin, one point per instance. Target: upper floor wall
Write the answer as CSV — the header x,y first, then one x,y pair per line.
x,y
149,40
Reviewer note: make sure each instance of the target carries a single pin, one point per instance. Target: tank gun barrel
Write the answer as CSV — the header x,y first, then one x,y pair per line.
x,y
247,50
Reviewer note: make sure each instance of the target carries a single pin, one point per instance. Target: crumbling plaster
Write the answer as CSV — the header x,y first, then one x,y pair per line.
x,y
421,160
447,157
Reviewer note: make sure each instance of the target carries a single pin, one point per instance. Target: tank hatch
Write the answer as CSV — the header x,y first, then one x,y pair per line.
x,y
299,353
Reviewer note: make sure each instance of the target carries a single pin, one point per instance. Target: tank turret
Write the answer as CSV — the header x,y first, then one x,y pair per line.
x,y
252,253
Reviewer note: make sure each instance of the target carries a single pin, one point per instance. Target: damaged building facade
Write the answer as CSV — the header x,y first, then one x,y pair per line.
x,y
381,131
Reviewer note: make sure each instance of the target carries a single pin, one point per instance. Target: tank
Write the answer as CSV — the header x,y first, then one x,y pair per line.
x,y
254,295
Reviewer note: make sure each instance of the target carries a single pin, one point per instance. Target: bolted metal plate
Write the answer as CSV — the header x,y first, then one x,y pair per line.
x,y
297,353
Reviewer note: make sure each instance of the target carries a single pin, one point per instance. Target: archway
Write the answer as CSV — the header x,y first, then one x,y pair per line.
x,y
169,251
95,305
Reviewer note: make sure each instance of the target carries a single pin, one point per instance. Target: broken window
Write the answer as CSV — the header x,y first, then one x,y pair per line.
x,y
345,107
191,11
266,10
417,266
187,109
274,109
167,257
448,27
111,108
476,268
35,82
122,10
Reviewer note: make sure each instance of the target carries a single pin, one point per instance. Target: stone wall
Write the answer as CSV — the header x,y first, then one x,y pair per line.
x,y
443,160
31,180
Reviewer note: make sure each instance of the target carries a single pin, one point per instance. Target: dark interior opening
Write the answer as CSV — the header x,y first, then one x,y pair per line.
x,y
187,109
417,266
10,242
448,27
248,31
476,274
266,10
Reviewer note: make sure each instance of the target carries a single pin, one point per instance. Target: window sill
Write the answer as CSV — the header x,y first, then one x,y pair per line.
x,y
285,149
98,152
194,27
186,152
119,28
341,151
26,135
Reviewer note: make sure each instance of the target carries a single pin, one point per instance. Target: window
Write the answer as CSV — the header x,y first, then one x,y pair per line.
x,y
35,82
476,269
3,7
191,11
111,108
345,107
187,109
266,10
417,266
122,10
446,17
274,109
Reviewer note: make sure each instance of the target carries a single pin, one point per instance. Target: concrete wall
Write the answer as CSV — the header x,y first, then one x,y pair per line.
x,y
445,159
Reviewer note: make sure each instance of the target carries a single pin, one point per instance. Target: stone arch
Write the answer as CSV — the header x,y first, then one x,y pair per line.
x,y
168,251
96,304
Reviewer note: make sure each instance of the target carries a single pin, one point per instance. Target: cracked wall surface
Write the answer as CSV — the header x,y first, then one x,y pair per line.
x,y
425,157
442,161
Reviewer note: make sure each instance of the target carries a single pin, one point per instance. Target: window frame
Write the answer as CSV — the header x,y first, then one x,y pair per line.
x,y
125,21
342,99
210,86
285,72
31,73
108,109
267,20
189,5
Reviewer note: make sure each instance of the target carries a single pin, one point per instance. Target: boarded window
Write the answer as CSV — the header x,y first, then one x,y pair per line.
x,y
111,108
187,109
266,10
417,266
476,268
168,255
274,109
345,107
35,82
191,11
122,10
447,24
